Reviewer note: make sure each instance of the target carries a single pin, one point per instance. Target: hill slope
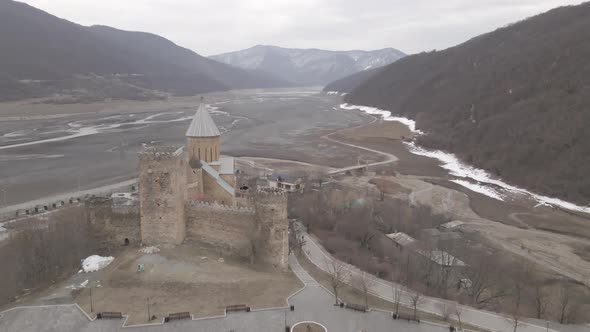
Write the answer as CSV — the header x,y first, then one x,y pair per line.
x,y
351,82
515,101
42,54
308,66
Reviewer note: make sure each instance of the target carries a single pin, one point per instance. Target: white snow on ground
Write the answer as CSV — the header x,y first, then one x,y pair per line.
x,y
478,188
385,114
94,263
332,93
150,250
82,285
458,169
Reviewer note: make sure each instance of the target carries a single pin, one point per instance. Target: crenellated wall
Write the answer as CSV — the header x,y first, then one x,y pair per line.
x,y
113,223
226,227
172,210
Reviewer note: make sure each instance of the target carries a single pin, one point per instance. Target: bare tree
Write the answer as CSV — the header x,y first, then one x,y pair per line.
x,y
563,304
416,299
396,292
483,289
336,273
515,312
458,314
363,283
447,309
296,241
541,301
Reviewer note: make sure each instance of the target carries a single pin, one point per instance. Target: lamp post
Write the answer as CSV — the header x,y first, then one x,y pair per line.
x,y
91,306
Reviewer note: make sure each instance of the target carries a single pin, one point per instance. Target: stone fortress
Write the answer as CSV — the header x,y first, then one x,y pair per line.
x,y
189,194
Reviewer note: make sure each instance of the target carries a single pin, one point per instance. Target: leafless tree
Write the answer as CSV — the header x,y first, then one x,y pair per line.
x,y
563,304
447,309
296,240
516,310
458,314
416,299
541,301
483,288
336,271
363,283
396,292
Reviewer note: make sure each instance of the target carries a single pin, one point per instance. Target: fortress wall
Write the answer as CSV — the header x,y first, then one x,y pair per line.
x,y
113,225
228,228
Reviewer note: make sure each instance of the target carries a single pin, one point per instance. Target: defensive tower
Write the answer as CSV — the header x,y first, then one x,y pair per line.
x,y
162,178
273,227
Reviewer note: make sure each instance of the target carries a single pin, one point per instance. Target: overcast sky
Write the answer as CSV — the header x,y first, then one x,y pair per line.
x,y
215,26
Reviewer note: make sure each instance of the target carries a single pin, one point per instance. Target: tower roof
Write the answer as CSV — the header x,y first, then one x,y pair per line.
x,y
202,124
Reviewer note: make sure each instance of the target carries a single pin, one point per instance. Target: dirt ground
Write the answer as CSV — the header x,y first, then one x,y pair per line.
x,y
184,278
392,130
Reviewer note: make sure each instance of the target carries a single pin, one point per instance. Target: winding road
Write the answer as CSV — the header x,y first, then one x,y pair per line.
x,y
383,289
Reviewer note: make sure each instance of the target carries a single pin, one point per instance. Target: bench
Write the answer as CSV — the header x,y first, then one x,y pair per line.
x,y
237,307
356,307
109,315
409,318
178,316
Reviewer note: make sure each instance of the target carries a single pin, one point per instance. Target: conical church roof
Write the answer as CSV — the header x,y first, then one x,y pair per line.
x,y
202,124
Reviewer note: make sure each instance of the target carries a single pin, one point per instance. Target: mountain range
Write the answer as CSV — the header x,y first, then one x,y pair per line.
x,y
44,55
514,101
308,67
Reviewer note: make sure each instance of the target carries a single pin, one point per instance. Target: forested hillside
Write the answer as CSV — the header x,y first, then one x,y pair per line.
x,y
349,83
50,55
515,101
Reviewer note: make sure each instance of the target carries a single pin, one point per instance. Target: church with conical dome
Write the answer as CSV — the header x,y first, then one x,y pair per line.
x,y
211,176
188,195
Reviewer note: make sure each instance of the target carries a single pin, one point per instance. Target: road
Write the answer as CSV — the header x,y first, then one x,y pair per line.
x,y
383,289
389,158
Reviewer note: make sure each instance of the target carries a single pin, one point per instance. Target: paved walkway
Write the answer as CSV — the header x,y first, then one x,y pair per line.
x,y
312,303
383,289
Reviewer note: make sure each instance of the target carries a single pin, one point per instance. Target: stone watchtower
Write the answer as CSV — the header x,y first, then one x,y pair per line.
x,y
272,227
162,178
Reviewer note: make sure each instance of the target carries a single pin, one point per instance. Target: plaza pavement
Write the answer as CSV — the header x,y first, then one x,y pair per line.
x,y
312,303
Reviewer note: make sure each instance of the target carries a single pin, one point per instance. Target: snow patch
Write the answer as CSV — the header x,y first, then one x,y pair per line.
x,y
478,188
332,93
95,263
82,285
451,163
150,250
386,115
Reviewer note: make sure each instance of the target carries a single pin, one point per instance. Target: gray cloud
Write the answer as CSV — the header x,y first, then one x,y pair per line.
x,y
215,26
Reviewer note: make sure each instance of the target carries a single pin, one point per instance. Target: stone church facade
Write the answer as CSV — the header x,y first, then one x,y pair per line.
x,y
188,194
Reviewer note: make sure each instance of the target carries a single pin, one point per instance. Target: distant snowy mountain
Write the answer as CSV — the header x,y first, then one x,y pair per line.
x,y
308,66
